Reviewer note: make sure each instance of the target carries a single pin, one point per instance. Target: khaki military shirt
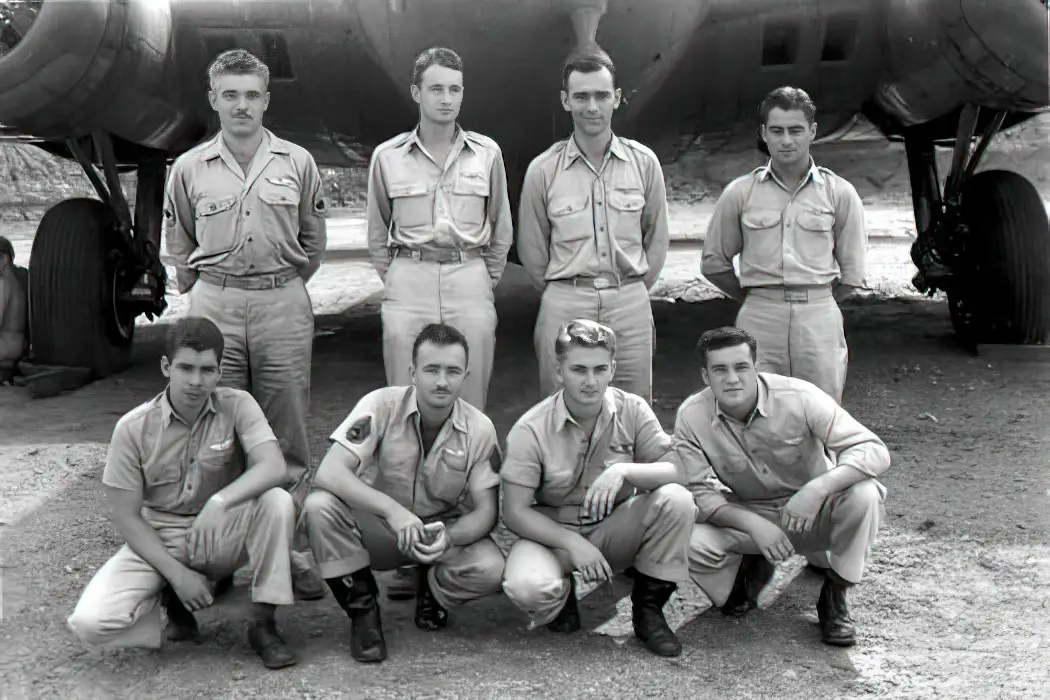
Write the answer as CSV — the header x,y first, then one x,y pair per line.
x,y
384,433
548,451
575,220
777,451
177,466
219,219
805,235
461,204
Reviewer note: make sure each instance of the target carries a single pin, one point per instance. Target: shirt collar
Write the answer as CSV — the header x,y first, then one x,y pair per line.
x,y
167,411
616,148
458,138
410,408
814,173
270,143
763,408
563,417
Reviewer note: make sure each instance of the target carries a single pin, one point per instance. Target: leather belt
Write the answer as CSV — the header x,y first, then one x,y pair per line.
x,y
438,256
792,295
253,282
599,282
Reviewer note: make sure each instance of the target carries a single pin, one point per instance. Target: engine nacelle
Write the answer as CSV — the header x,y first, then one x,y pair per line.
x,y
75,66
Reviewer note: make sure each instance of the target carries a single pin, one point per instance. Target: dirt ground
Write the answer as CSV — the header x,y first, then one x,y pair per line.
x,y
954,604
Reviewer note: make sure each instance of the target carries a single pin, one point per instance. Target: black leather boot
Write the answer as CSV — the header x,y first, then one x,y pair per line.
x,y
182,625
649,596
430,615
357,594
836,624
568,619
754,573
268,644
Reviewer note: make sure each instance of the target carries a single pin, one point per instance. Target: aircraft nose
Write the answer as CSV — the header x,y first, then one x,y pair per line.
x,y
1011,50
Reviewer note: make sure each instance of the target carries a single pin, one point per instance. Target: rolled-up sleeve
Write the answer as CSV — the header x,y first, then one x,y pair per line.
x,y
855,445
702,482
377,216
361,431
313,228
651,442
534,228
851,239
500,220
523,464
251,424
656,234
180,237
724,239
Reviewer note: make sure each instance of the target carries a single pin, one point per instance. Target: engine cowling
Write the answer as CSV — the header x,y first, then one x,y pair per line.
x,y
70,67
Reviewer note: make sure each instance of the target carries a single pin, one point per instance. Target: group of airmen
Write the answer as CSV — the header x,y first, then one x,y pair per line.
x,y
215,472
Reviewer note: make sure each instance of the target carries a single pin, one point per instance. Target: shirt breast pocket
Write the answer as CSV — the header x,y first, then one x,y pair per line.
x,y
281,196
161,474
814,238
216,223
626,207
469,193
787,451
571,220
761,235
449,479
412,204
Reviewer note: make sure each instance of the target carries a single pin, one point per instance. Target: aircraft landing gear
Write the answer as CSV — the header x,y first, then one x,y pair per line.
x,y
93,271
985,241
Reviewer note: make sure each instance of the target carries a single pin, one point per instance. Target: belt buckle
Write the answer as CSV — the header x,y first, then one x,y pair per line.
x,y
796,295
601,283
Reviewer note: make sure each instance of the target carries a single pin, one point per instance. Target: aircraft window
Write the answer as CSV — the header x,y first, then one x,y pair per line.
x,y
780,43
275,55
840,38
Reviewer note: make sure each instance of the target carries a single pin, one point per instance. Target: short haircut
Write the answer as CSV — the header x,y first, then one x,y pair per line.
x,y
435,56
237,62
6,247
725,337
788,98
587,63
440,334
196,333
583,333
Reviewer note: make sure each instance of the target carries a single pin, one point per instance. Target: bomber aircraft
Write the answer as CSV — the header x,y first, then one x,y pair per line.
x,y
120,85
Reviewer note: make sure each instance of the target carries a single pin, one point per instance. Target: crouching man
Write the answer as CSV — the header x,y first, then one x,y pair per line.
x,y
764,437
608,496
409,479
193,478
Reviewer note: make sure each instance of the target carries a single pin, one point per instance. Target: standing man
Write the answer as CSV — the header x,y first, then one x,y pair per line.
x,y
764,437
245,222
590,485
193,481
799,231
439,226
410,479
13,311
592,228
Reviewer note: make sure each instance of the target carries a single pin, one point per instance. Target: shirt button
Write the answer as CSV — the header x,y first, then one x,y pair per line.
x,y
605,255
247,213
599,203
601,228
249,238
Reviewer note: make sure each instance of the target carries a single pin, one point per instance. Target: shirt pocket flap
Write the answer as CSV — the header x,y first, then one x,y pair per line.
x,y
759,218
622,200
407,189
455,458
471,184
209,206
820,221
280,195
566,206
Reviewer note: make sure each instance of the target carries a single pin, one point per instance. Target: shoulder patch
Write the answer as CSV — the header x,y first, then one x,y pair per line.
x,y
319,204
360,430
495,459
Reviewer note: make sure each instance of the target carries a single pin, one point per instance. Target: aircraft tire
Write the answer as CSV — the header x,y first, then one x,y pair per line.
x,y
1002,289
71,290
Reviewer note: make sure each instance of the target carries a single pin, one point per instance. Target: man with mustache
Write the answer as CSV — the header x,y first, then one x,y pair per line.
x,y
799,231
245,222
592,228
410,478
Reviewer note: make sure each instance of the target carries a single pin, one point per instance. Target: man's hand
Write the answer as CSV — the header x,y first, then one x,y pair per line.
x,y
409,529
211,514
801,511
588,560
601,496
433,545
841,292
772,542
192,589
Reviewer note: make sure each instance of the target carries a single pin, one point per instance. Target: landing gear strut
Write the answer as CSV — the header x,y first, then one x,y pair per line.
x,y
93,270
984,241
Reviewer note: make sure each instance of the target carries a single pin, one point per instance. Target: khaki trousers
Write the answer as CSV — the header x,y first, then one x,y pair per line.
x,y
120,606
802,340
649,532
345,541
626,311
417,293
840,539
